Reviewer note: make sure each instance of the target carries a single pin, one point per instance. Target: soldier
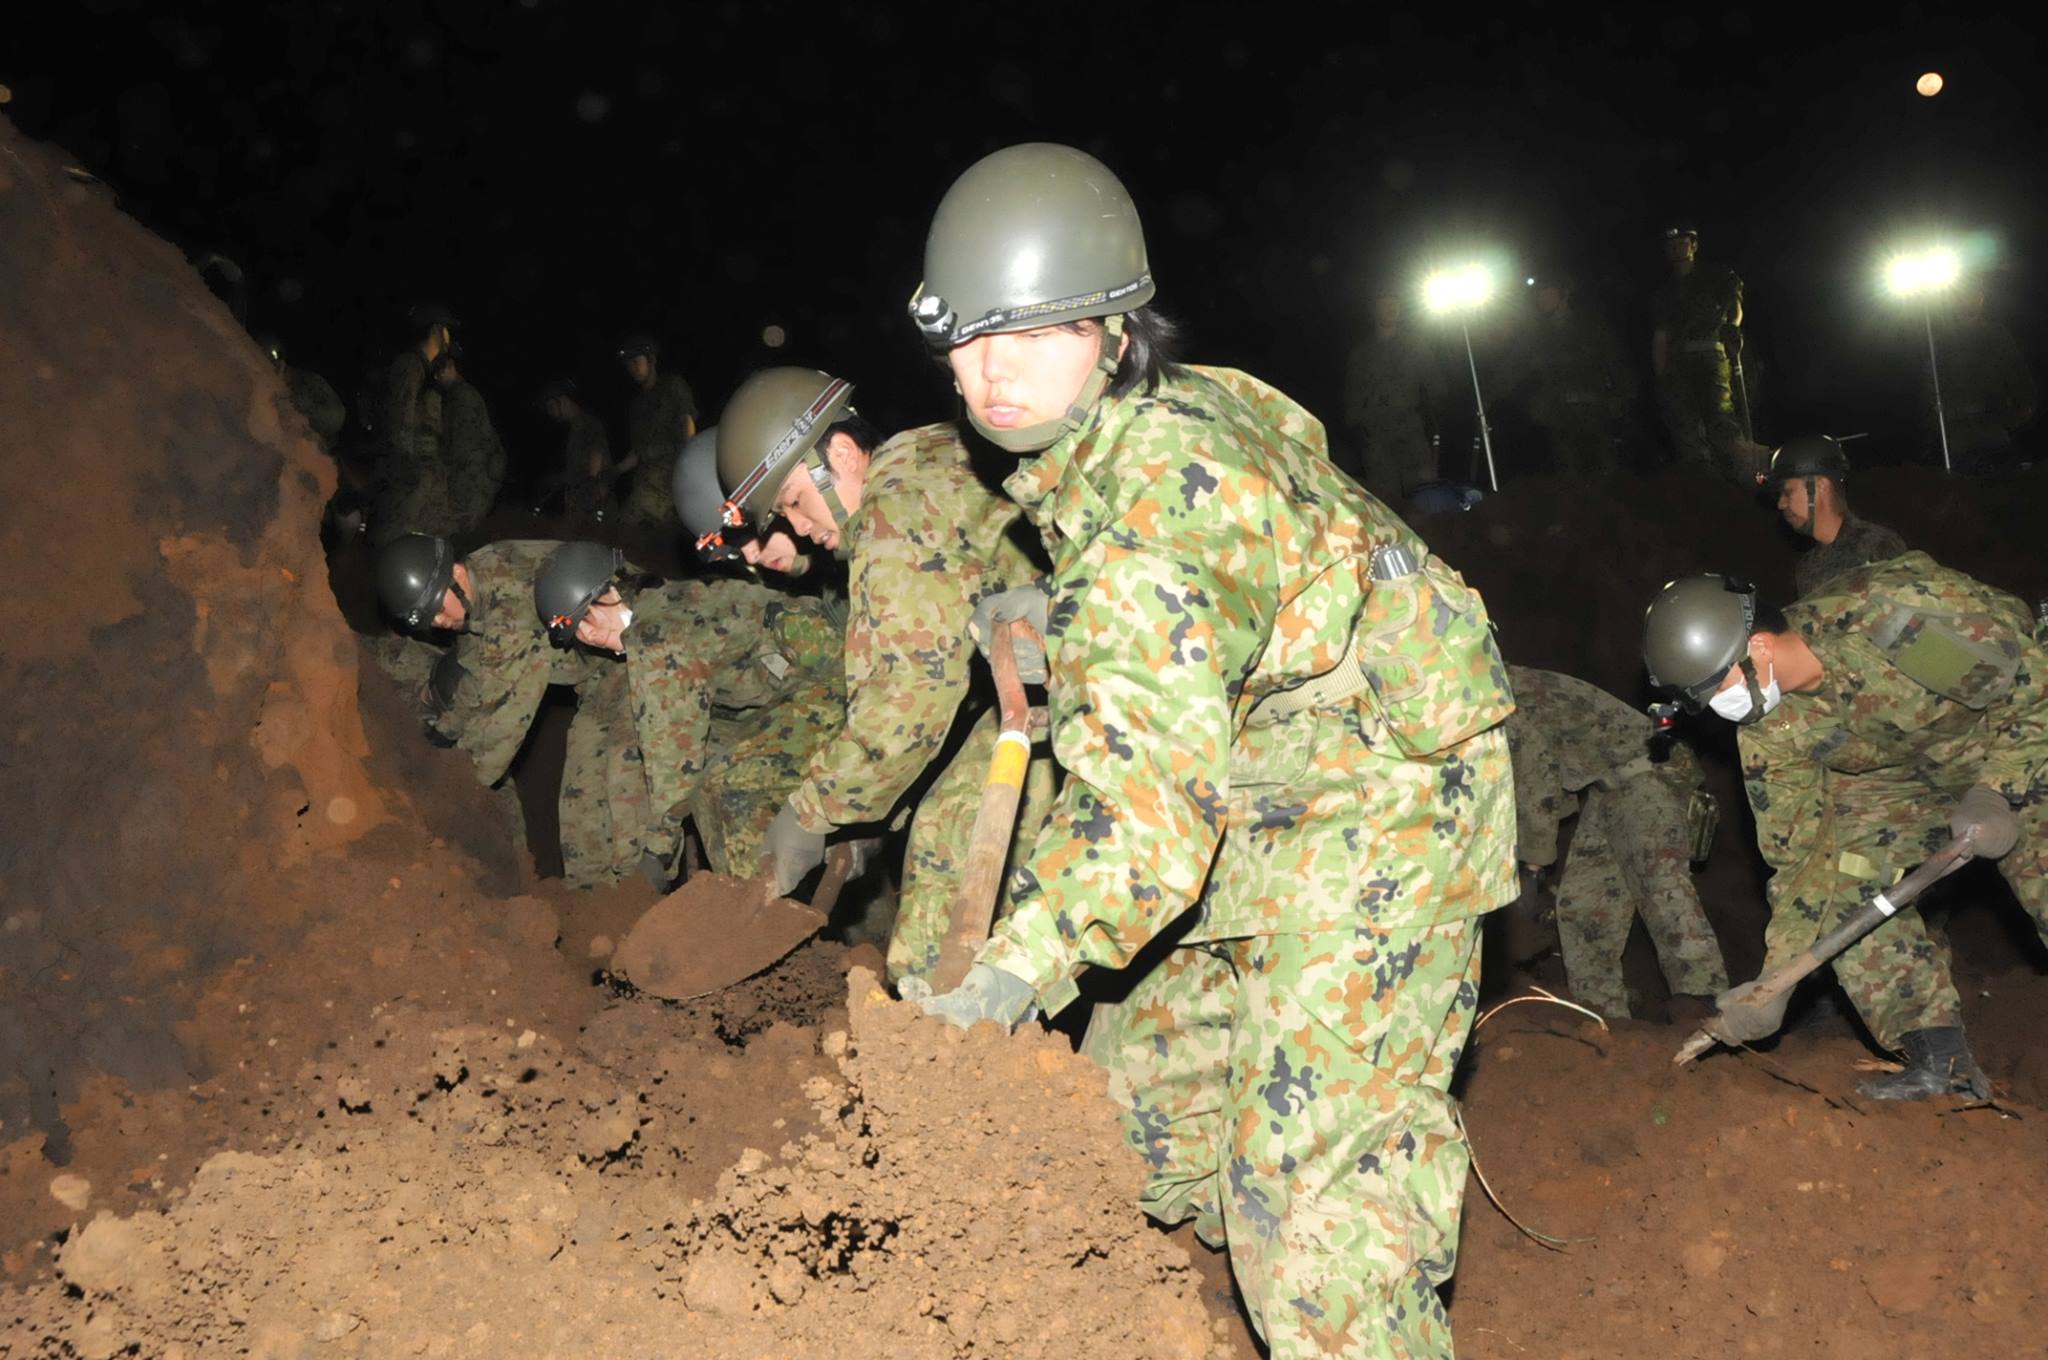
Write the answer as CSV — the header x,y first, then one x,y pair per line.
x,y
586,473
1391,389
1900,704
1579,390
1630,854
1811,477
313,396
661,419
475,458
1986,390
411,478
1695,344
697,655
1273,706
925,539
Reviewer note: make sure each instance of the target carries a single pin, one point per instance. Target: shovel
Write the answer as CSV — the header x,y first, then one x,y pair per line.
x,y
715,931
995,821
1781,980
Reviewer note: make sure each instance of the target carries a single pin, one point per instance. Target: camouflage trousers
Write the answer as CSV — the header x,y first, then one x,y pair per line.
x,y
765,753
1630,857
1696,395
1397,457
940,835
1897,976
605,808
1291,1095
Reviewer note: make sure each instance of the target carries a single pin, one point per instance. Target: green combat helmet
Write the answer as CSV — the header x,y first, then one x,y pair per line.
x,y
413,573
700,505
1810,458
1696,628
638,343
1033,235
777,420
566,585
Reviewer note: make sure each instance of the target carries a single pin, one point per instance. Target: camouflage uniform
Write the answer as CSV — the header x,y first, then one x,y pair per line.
x,y
1697,315
699,655
930,538
1392,386
316,400
586,469
412,493
1857,543
1932,683
475,457
657,425
1579,391
1286,1069
1630,853
1986,390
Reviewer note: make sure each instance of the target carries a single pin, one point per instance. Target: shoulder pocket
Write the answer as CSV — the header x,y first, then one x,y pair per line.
x,y
1935,651
1434,673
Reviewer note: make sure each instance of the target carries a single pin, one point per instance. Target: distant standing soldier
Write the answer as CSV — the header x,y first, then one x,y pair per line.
x,y
1811,477
312,395
475,457
1695,343
586,472
410,474
1986,390
1631,852
661,419
1391,390
1578,387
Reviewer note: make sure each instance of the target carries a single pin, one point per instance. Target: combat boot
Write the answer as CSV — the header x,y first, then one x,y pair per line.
x,y
1938,1062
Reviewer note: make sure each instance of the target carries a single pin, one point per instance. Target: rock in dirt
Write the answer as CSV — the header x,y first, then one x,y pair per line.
x,y
73,1192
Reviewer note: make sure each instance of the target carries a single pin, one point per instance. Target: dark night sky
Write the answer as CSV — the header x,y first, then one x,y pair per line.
x,y
562,172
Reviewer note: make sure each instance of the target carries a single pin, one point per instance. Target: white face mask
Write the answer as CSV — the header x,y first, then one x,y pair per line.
x,y
1733,703
625,617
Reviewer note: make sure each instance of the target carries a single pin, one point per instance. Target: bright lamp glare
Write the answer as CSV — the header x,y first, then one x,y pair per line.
x,y
1925,271
1455,290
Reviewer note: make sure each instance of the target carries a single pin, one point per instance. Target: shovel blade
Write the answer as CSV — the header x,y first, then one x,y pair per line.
x,y
710,933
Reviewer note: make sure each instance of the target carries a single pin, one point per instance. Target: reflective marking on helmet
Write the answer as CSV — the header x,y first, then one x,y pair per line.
x,y
1009,318
783,446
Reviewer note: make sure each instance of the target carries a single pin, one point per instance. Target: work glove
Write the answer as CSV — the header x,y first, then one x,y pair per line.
x,y
790,852
984,994
1984,810
1743,1021
1026,605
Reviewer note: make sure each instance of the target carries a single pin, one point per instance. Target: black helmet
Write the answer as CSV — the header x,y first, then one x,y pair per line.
x,y
639,343
1696,628
1815,455
573,576
413,573
1681,227
552,389
427,315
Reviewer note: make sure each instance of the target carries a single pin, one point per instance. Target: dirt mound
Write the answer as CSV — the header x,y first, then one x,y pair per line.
x,y
459,1188
1752,1205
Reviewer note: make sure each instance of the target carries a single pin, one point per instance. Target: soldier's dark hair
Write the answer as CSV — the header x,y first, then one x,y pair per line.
x,y
1153,355
1770,618
859,429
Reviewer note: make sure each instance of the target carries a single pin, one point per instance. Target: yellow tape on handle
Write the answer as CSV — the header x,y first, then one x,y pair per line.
x,y
1013,756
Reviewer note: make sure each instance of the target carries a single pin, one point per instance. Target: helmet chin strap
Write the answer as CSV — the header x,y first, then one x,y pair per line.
x,y
1812,507
1756,693
1045,434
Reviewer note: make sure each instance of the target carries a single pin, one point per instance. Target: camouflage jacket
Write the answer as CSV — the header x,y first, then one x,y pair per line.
x,y
659,416
1208,558
1566,735
1570,361
318,402
476,457
586,463
1858,544
1393,383
403,422
508,660
929,539
1695,308
696,647
1931,681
